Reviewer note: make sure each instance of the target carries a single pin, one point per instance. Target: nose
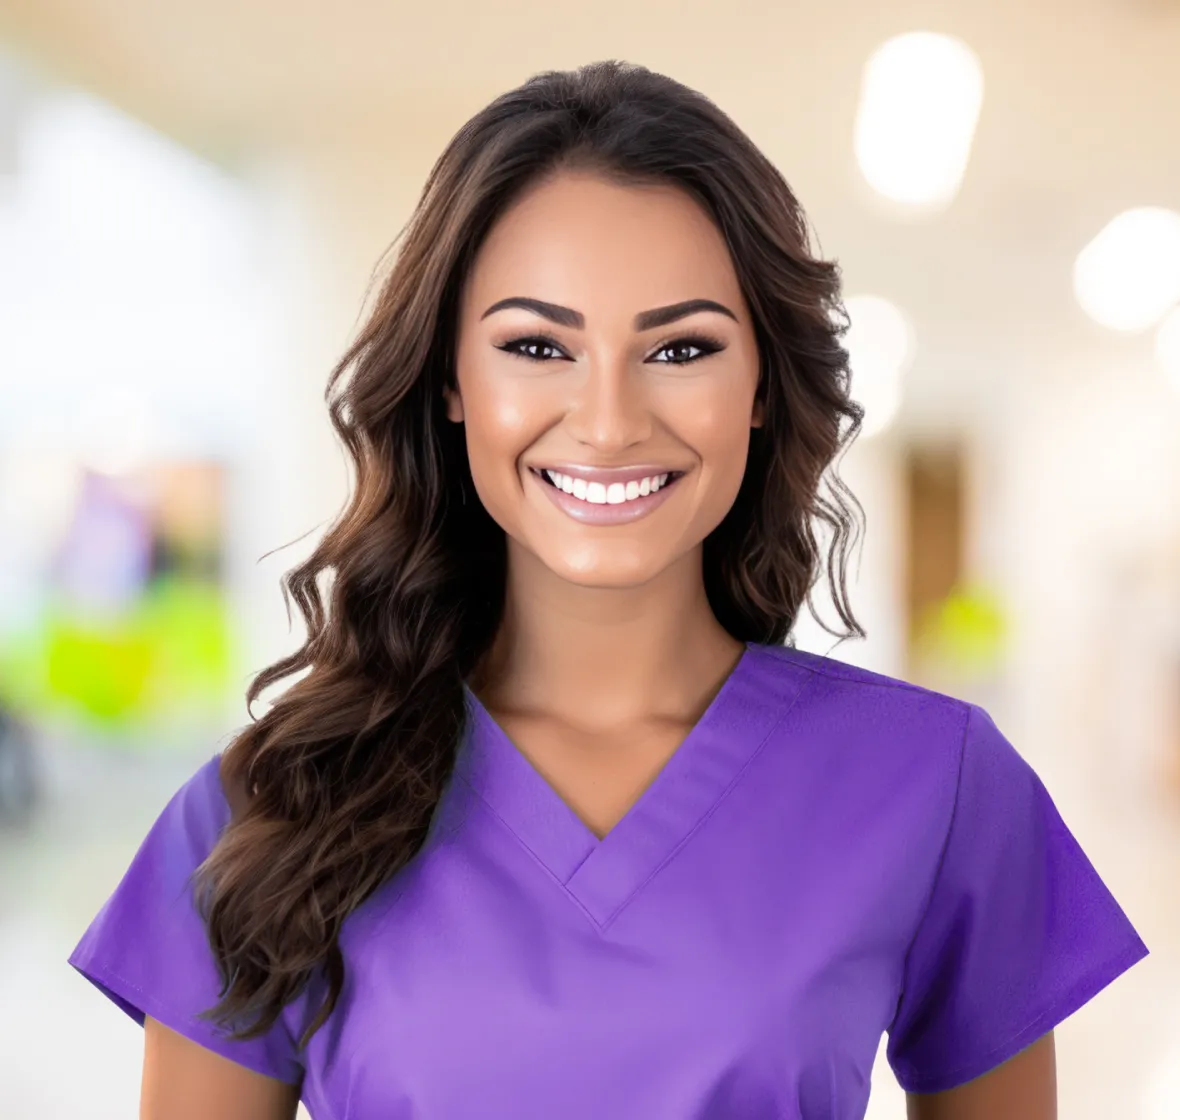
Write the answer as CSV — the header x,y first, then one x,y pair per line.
x,y
609,412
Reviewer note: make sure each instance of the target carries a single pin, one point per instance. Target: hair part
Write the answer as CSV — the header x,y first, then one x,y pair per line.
x,y
334,788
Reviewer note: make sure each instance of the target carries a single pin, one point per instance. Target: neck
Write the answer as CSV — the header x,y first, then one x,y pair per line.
x,y
603,656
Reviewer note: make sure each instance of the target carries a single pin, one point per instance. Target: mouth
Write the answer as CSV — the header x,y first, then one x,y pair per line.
x,y
605,488
606,498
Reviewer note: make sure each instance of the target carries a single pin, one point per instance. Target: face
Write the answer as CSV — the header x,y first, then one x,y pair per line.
x,y
606,377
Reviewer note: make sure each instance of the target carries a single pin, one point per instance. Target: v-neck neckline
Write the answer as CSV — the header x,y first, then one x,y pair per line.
x,y
601,875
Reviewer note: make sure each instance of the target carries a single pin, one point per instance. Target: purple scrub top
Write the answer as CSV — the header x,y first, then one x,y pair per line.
x,y
831,854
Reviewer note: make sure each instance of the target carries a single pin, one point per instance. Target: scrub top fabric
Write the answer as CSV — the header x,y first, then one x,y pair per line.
x,y
830,855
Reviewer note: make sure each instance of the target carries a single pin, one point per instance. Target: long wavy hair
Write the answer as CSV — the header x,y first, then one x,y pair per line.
x,y
333,789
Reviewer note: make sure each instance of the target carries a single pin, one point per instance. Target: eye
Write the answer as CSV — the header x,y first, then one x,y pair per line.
x,y
682,351
533,348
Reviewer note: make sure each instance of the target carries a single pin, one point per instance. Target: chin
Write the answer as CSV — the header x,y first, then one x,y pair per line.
x,y
616,572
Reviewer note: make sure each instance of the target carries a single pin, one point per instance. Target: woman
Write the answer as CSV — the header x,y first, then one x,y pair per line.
x,y
555,825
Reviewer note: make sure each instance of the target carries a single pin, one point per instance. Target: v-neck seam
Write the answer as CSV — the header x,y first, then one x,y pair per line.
x,y
536,858
492,727
603,875
713,808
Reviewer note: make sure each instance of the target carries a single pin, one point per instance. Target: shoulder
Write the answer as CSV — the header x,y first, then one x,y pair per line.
x,y
869,731
861,694
199,809
791,658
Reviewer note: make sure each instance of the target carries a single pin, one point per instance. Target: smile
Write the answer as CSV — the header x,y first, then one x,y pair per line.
x,y
606,497
609,493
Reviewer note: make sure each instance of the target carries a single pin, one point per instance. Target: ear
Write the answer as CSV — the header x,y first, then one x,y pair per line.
x,y
454,405
758,415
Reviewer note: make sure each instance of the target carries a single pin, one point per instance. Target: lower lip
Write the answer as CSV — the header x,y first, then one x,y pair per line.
x,y
593,513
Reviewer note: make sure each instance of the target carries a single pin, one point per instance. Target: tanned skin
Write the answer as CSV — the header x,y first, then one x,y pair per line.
x,y
184,1081
1023,1088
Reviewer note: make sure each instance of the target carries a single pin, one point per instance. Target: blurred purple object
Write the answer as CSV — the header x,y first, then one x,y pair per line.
x,y
105,558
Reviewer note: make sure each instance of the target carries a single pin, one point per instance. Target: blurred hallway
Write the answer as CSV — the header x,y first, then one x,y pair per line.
x,y
192,201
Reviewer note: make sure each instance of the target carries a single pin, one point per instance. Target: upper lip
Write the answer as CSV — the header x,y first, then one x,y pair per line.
x,y
606,475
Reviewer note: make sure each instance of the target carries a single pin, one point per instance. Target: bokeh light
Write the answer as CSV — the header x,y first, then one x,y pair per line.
x,y
1128,276
920,101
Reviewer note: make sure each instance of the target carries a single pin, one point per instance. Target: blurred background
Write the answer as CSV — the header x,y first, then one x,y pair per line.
x,y
192,201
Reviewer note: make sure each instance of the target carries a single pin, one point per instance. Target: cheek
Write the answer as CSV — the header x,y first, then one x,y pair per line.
x,y
717,425
499,428
725,471
496,424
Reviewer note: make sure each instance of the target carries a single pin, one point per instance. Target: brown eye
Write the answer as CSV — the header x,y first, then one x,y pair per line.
x,y
534,348
686,350
679,353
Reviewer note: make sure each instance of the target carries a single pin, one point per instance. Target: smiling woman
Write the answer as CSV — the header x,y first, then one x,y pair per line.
x,y
556,824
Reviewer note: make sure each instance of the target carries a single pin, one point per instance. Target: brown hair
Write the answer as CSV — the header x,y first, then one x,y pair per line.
x,y
346,768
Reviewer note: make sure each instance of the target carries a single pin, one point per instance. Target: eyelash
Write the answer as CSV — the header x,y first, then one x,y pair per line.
x,y
703,343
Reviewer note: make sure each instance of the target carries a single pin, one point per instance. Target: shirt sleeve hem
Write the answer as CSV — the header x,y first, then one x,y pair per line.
x,y
139,1004
1075,997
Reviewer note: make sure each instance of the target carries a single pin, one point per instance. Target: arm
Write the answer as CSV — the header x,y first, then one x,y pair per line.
x,y
184,1081
1023,1088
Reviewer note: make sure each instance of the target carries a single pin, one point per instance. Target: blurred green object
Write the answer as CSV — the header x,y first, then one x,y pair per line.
x,y
20,670
964,633
165,656
99,670
187,623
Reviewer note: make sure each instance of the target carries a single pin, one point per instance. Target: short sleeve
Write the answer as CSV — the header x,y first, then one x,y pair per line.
x,y
1019,931
148,950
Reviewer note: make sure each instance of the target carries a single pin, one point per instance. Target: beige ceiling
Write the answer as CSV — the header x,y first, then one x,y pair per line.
x,y
1081,118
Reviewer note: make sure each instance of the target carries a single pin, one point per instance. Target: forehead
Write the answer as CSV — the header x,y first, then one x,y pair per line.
x,y
588,243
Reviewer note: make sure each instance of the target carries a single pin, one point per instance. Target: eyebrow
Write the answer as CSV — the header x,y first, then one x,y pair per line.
x,y
644,321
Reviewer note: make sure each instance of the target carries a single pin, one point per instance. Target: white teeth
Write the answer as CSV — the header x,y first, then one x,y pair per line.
x,y
599,493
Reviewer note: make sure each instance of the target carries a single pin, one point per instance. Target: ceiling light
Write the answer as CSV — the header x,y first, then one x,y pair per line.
x,y
1129,275
920,99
